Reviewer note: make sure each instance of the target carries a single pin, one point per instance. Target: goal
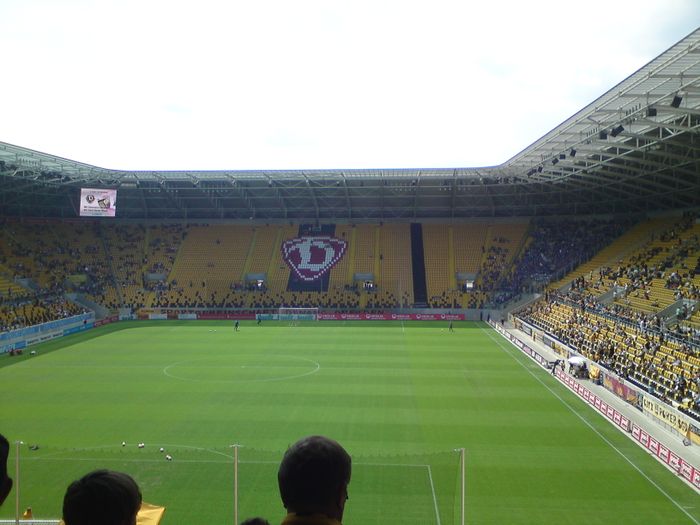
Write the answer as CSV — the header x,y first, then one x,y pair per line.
x,y
297,314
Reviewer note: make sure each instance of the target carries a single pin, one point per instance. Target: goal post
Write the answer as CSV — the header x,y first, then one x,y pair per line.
x,y
240,481
428,487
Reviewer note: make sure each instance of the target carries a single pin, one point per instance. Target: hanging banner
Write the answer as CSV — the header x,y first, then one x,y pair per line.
x,y
671,417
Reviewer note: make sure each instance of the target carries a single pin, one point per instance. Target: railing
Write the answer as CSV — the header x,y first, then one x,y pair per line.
x,y
599,310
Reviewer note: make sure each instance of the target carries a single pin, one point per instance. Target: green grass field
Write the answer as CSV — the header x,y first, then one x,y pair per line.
x,y
400,398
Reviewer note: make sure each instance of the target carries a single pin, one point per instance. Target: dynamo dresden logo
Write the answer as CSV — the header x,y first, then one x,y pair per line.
x,y
310,257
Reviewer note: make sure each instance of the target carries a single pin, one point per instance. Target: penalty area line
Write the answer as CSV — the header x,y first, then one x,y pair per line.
x,y
432,489
129,460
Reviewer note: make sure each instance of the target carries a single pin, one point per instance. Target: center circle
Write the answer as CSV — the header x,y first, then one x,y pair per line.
x,y
236,368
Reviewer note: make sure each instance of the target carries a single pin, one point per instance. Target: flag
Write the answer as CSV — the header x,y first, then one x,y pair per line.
x,y
149,514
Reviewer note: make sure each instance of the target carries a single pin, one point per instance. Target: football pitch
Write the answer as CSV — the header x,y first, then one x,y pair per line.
x,y
400,397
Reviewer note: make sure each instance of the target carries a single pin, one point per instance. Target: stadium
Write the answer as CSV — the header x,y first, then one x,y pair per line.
x,y
517,343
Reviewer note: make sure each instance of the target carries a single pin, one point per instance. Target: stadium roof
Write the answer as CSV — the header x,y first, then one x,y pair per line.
x,y
634,149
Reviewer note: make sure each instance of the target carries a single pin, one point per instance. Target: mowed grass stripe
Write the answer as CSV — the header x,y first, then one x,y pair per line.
x,y
383,391
680,505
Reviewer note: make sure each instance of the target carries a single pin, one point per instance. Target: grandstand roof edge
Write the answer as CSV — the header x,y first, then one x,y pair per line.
x,y
27,157
686,45
660,79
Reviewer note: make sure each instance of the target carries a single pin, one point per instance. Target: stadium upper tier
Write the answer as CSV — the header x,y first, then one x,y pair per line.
x,y
122,265
469,265
634,149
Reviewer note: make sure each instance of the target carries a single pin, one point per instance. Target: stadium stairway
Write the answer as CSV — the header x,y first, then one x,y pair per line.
x,y
10,287
519,301
488,241
112,271
420,289
100,311
629,242
451,275
251,250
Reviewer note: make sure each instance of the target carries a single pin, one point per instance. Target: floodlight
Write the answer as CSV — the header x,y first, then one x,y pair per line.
x,y
651,112
676,102
603,135
617,130
555,160
572,153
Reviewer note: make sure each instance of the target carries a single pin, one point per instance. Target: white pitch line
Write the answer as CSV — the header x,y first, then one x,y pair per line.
x,y
589,425
249,462
129,460
52,455
432,489
242,461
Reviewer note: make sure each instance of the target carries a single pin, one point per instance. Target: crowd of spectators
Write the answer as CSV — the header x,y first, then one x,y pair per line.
x,y
495,264
557,246
200,295
460,299
128,265
635,345
636,276
41,309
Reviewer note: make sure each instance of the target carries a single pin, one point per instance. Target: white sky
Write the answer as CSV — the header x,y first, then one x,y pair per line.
x,y
293,84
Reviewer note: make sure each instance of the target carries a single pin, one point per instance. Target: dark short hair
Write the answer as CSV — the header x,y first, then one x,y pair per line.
x,y
312,472
255,521
102,497
4,453
5,480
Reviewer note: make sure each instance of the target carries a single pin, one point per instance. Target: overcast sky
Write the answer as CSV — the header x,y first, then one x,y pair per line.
x,y
293,84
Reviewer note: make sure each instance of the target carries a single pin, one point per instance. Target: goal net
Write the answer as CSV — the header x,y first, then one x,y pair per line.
x,y
226,483
297,314
425,487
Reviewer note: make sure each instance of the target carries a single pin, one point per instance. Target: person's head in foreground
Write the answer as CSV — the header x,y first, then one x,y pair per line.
x,y
255,521
102,497
5,480
313,478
